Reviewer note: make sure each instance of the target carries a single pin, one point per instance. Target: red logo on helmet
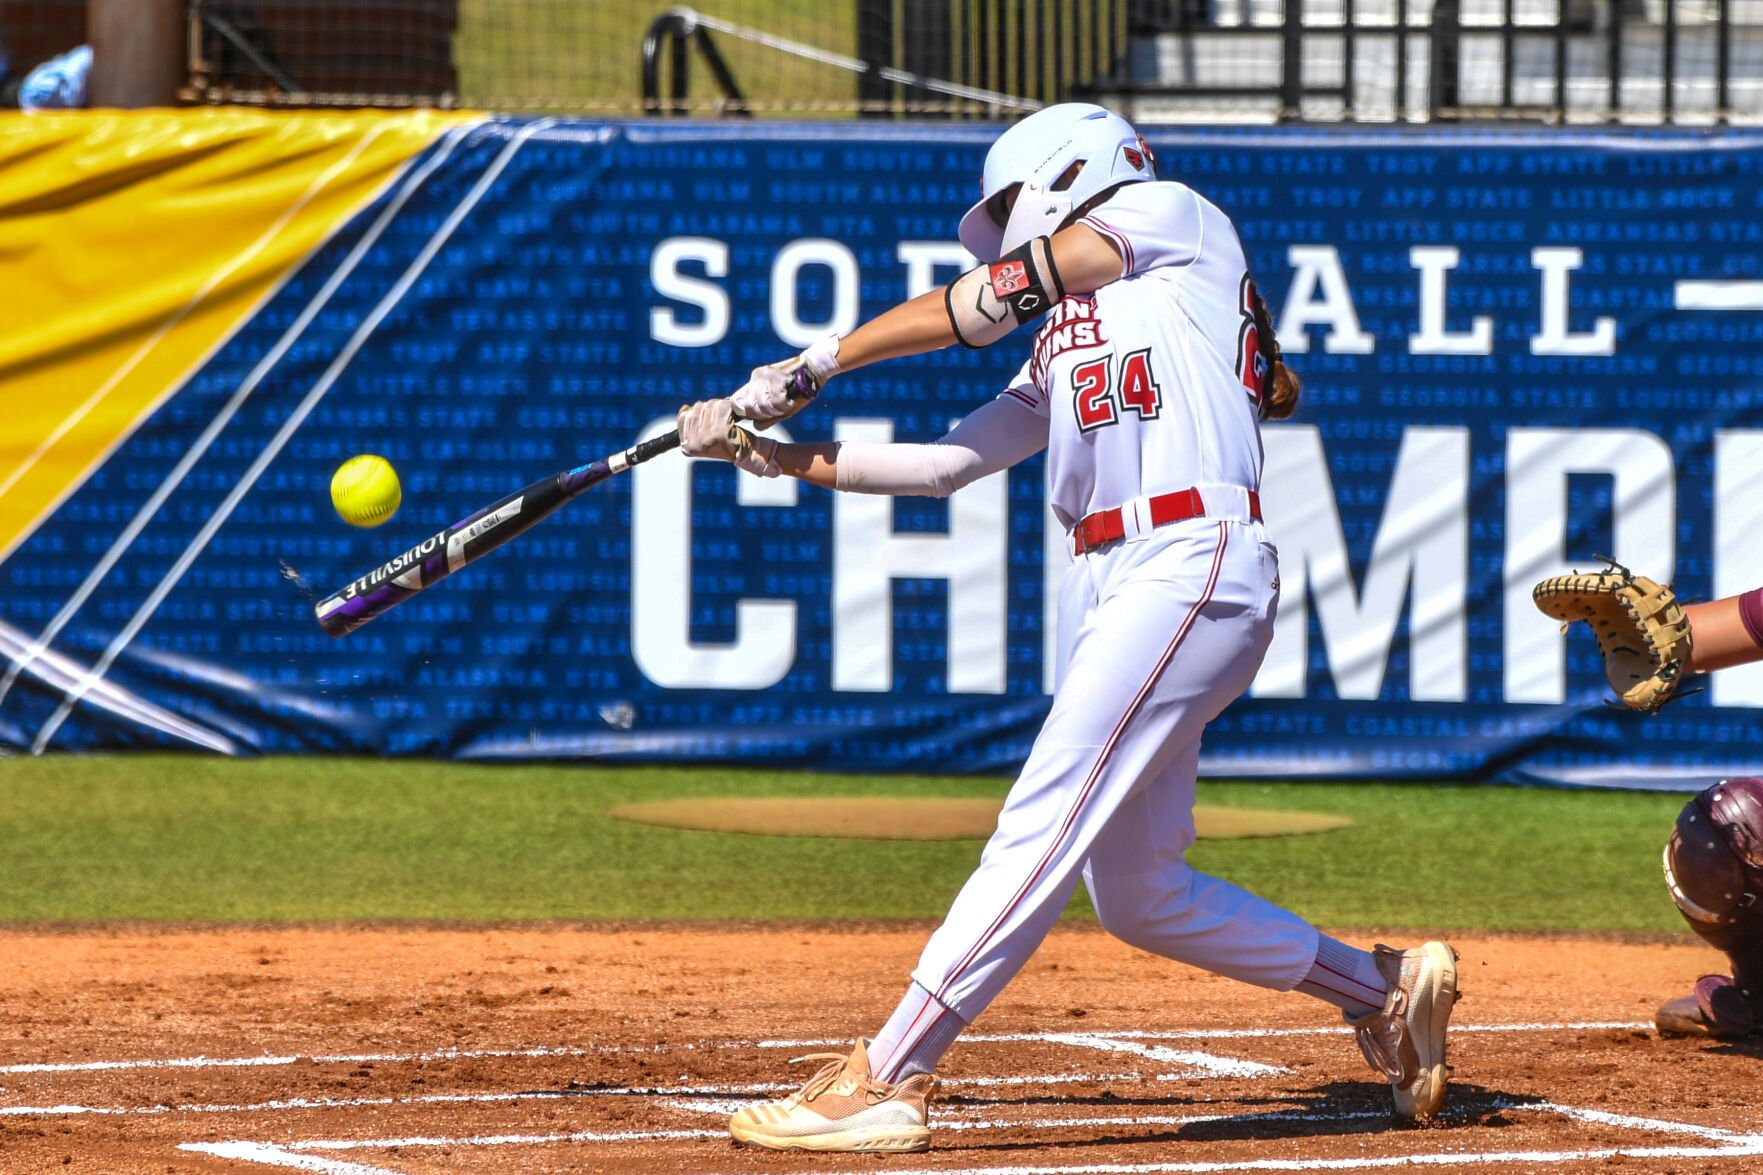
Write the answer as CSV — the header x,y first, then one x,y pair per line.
x,y
1136,159
1008,278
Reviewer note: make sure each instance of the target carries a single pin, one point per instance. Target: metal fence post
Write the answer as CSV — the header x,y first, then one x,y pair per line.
x,y
138,51
1291,76
1723,62
1447,33
875,45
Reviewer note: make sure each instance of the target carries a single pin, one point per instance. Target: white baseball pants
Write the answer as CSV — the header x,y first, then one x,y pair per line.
x,y
1157,636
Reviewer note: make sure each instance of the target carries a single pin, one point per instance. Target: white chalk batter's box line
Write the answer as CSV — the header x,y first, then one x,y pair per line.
x,y
1727,1144
731,1094
717,1102
273,1060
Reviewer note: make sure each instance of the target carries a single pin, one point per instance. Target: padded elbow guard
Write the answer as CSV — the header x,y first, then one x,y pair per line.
x,y
989,301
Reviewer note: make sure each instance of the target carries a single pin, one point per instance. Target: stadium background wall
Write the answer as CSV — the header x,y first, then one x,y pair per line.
x,y
1521,349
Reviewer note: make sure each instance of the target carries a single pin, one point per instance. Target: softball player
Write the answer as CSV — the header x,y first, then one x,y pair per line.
x,y
1714,870
1716,878
1714,857
1144,384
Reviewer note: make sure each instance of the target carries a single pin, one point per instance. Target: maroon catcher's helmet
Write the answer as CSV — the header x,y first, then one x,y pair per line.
x,y
1714,868
1714,859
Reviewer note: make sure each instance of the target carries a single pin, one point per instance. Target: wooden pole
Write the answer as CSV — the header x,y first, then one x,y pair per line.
x,y
138,51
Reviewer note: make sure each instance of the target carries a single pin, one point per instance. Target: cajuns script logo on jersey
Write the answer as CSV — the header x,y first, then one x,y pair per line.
x,y
1074,325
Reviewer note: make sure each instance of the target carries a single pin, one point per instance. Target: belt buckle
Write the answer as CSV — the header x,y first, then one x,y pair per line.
x,y
1095,530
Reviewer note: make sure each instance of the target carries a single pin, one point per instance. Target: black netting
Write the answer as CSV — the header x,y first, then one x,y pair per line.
x,y
1157,60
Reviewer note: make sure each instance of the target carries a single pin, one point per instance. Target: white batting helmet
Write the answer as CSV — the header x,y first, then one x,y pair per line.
x,y
1037,153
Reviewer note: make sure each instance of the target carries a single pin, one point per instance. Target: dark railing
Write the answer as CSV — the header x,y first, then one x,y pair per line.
x,y
1309,60
1041,51
1684,61
676,34
322,52
1416,60
933,64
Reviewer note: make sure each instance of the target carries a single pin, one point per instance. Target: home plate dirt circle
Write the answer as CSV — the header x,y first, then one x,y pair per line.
x,y
919,818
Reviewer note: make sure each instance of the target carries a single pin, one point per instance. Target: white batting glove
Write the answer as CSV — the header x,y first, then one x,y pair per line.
x,y
708,429
782,389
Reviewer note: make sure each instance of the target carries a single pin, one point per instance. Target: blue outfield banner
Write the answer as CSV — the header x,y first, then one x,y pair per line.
x,y
1520,351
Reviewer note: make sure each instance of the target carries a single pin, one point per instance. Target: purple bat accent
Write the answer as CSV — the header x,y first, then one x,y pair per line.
x,y
801,386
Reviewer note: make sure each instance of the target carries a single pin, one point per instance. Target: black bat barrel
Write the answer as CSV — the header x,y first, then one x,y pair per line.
x,y
461,544
476,535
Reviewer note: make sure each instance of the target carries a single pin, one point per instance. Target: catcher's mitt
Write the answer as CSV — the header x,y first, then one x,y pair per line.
x,y
1640,628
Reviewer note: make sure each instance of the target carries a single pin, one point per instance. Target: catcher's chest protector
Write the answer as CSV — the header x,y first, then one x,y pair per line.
x,y
1714,868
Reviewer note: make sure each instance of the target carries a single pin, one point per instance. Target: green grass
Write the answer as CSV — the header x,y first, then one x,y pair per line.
x,y
567,54
1458,856
293,839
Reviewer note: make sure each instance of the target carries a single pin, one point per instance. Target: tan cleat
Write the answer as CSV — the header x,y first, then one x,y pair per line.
x,y
843,1108
1405,1040
1682,1017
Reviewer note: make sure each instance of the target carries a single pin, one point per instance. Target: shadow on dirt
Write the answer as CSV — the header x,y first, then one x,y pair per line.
x,y
1337,1109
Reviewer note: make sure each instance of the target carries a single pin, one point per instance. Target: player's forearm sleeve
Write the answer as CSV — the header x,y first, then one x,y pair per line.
x,y
994,436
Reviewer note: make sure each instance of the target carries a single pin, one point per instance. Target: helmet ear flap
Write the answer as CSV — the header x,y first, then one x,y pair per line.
x,y
1038,213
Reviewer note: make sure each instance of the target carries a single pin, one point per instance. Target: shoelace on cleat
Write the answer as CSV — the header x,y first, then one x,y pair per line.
x,y
823,1079
1386,1055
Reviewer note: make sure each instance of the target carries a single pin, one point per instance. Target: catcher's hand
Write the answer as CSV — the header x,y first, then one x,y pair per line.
x,y
1639,624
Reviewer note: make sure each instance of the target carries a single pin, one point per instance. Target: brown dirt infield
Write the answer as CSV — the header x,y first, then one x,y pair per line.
x,y
361,1050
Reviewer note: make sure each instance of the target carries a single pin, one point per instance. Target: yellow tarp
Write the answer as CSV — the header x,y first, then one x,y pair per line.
x,y
132,244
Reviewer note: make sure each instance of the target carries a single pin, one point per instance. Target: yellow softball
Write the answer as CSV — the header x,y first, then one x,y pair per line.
x,y
365,490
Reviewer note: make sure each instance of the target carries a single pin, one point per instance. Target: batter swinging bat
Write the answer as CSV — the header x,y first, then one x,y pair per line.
x,y
475,535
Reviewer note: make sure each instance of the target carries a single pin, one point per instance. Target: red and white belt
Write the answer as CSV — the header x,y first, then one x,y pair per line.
x,y
1142,515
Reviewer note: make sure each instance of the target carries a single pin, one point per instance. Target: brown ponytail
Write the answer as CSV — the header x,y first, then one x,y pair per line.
x,y
1279,384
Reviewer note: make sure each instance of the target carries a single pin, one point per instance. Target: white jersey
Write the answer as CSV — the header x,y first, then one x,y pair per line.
x,y
1150,384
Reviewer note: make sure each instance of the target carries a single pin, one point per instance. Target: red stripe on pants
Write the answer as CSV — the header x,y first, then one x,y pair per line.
x,y
1095,774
